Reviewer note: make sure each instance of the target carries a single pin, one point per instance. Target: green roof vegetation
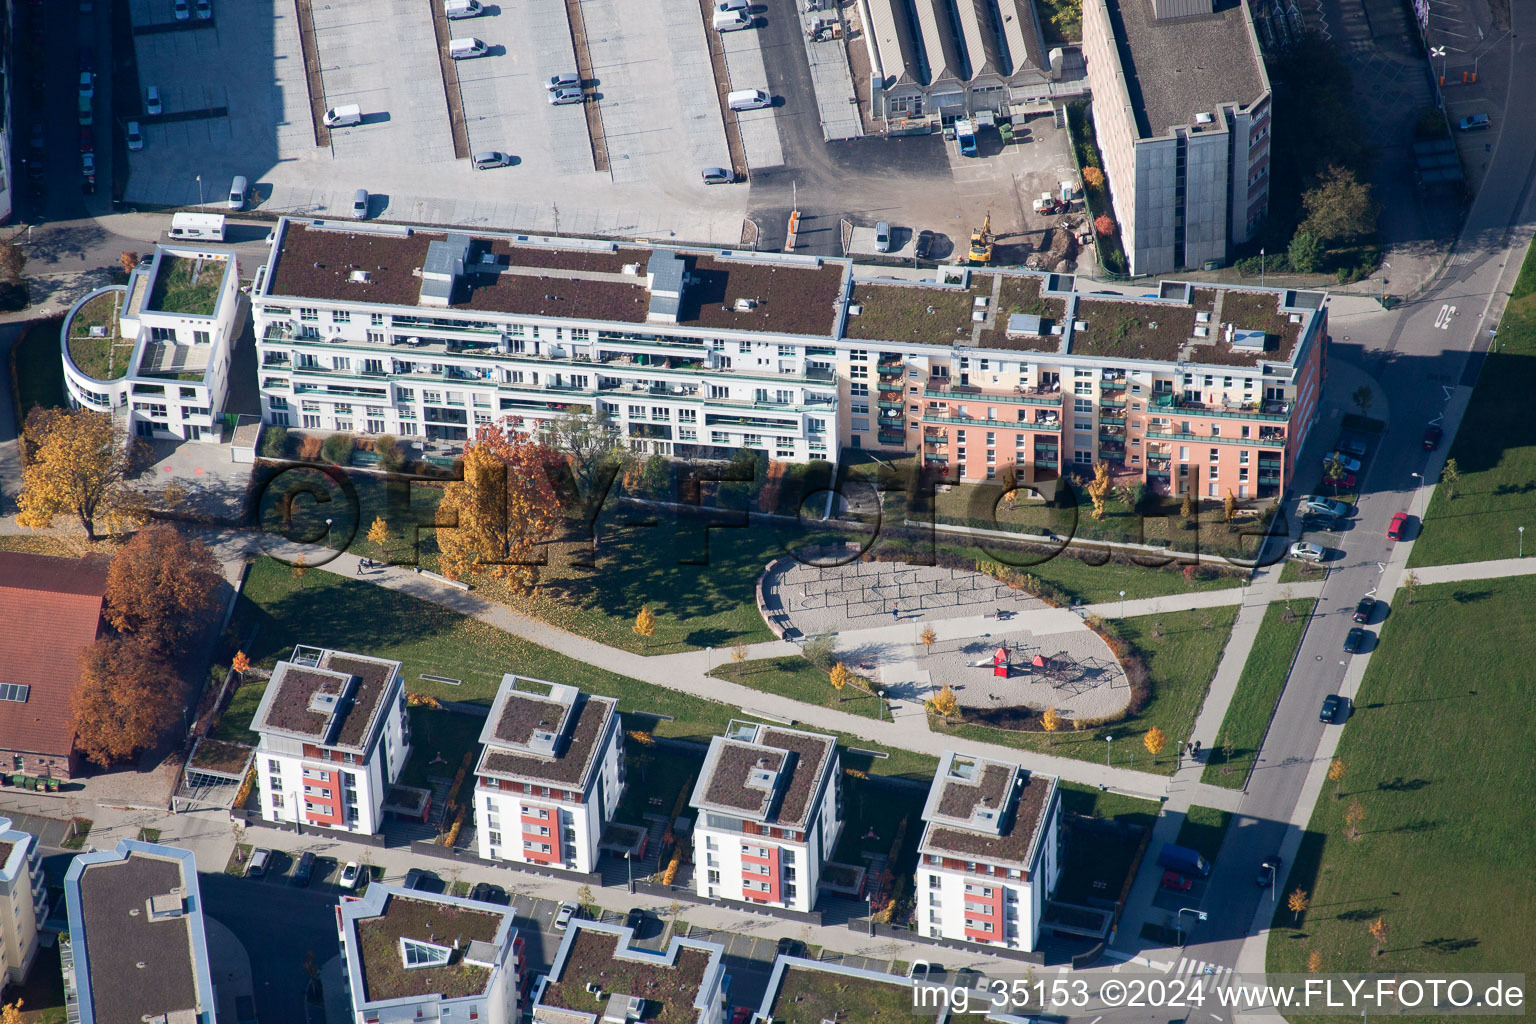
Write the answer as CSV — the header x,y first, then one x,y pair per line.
x,y
100,358
808,996
187,285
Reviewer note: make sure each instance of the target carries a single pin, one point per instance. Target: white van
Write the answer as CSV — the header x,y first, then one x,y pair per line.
x,y
207,227
469,46
748,99
344,116
730,21
456,9
237,190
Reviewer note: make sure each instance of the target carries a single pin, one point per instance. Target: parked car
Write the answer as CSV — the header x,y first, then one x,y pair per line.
x,y
88,164
568,94
883,237
87,140
789,947
564,80
415,879
1432,435
1352,447
87,85
1398,527
924,247
1350,465
564,915
1334,710
491,158
360,204
1364,609
1269,871
257,867
1323,506
303,869
1474,123
182,9
135,137
39,136
1347,481
741,1016
1177,882
1307,552
204,9
351,875
1354,640
152,105
730,5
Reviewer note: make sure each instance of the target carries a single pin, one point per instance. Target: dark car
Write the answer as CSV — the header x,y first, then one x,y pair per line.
x,y
638,920
925,243
1364,609
87,140
789,947
1334,710
303,869
1177,882
1269,871
87,59
1354,640
1432,435
414,878
485,892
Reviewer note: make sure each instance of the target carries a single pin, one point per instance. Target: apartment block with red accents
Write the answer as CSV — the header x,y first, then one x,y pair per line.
x,y
550,777
990,854
769,815
333,737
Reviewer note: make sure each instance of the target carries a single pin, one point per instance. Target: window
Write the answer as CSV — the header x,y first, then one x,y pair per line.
x,y
933,881
312,422
714,878
340,316
376,319
308,314
14,692
202,338
416,953
858,390
495,838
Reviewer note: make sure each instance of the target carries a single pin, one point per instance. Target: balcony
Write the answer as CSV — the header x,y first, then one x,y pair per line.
x,y
890,369
1251,442
1268,410
1112,421
1110,404
884,404
1019,396
892,385
892,437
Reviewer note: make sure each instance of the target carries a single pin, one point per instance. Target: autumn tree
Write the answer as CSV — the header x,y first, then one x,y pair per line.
x,y
1354,814
1336,771
300,568
591,446
1450,475
739,653
1187,508
1104,224
1154,740
1334,471
1378,930
1298,902
1314,962
13,261
493,520
127,697
839,677
1229,506
945,702
1098,490
1339,207
645,624
78,467
1410,584
10,1013
129,261
378,535
161,588
928,638
1093,177
1050,721
241,663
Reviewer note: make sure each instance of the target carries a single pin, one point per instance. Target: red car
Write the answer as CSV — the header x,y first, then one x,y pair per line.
x,y
1398,526
1177,882
741,1016
87,140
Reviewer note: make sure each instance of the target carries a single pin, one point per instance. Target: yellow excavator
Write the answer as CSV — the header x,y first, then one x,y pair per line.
x,y
981,242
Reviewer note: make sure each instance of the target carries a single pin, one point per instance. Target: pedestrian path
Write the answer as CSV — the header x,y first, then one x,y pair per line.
x,y
1191,971
1466,571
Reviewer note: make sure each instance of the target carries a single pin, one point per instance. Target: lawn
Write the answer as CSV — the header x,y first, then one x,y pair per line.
x,y
798,679
1495,450
1439,758
1182,650
1296,571
185,285
235,723
1080,798
1203,830
656,772
442,737
106,357
1258,691
328,610
872,815
39,370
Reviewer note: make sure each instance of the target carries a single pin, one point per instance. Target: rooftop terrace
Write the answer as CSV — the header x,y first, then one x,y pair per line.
x,y
184,284
1176,68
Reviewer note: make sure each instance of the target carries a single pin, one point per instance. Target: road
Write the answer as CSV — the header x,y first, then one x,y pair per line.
x,y
1415,353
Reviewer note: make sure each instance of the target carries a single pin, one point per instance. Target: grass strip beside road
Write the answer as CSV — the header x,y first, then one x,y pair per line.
x,y
1258,691
1203,830
1438,757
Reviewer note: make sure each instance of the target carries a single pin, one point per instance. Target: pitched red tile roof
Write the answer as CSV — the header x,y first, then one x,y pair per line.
x,y
51,608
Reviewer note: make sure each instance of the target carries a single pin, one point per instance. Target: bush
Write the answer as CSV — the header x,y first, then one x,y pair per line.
x,y
274,443
309,449
338,448
820,650
13,296
1305,252
391,458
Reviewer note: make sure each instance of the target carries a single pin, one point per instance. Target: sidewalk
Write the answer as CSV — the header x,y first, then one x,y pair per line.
x,y
1458,572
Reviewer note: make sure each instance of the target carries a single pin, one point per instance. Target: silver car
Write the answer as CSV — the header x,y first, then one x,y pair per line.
x,y
564,80
566,95
360,204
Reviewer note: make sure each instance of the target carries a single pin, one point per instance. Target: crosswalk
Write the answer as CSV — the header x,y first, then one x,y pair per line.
x,y
1198,970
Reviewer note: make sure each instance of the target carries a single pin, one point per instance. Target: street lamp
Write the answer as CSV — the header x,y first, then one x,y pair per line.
x,y
1179,917
869,901
709,660
1418,484
1261,268
1520,552
1108,739
199,190
1122,604
629,868
1274,883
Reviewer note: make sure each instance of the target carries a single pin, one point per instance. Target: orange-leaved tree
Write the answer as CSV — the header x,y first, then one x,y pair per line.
x,y
493,520
1154,741
162,587
78,462
128,695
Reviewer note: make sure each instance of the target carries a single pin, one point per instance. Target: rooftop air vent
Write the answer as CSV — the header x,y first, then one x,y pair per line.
x,y
855,309
745,305
359,277
1203,316
1204,118
1202,332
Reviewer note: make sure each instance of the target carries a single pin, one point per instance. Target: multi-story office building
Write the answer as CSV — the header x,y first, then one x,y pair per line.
x,y
551,774
769,815
599,977
420,956
990,853
23,903
697,354
136,949
159,347
333,736
1181,109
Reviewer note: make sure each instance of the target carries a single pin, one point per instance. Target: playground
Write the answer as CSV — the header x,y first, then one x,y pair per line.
x,y
994,646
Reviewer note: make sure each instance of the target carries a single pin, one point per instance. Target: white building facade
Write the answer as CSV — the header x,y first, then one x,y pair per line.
x,y
170,336
551,775
769,815
23,903
334,735
990,854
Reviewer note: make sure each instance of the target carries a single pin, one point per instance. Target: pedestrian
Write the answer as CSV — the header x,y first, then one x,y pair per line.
x,y
895,612
359,568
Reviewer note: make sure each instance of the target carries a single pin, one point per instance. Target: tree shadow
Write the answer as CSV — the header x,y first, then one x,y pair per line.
x,y
1402,785
1359,914
1446,947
